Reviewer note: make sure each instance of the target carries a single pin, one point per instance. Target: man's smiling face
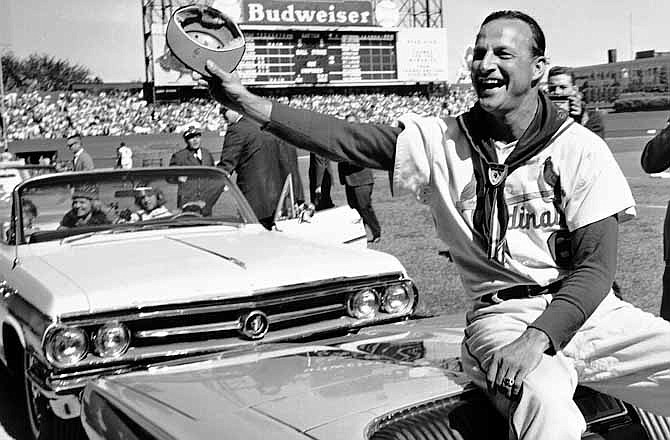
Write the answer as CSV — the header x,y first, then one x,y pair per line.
x,y
503,67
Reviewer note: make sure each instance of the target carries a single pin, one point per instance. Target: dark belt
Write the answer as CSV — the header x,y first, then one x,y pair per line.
x,y
517,292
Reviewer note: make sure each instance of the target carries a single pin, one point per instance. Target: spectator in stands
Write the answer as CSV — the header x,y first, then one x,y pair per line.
x,y
561,84
262,163
81,160
358,183
656,159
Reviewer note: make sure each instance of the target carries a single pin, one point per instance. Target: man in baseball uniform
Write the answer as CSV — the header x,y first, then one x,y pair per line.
x,y
528,203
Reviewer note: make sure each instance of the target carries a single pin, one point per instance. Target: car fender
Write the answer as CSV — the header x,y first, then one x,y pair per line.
x,y
10,321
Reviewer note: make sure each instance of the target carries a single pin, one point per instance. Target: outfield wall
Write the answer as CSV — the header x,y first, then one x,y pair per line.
x,y
103,148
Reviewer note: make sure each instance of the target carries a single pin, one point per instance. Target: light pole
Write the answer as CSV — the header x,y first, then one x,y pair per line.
x,y
4,123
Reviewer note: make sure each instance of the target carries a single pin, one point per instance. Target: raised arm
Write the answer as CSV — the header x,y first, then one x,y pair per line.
x,y
368,145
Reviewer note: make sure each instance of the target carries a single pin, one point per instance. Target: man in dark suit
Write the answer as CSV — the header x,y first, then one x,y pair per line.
x,y
656,159
195,190
81,160
193,154
320,182
262,162
358,183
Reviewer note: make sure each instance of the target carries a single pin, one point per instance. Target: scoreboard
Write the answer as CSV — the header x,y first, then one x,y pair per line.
x,y
295,57
307,43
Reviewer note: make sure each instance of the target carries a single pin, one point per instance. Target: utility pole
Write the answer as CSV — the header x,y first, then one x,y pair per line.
x,y
3,122
630,33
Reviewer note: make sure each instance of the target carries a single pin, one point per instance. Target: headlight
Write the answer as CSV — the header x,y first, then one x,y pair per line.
x,y
363,304
111,340
66,346
397,299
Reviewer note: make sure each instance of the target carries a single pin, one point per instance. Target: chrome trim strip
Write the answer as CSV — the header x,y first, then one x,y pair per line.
x,y
187,329
306,313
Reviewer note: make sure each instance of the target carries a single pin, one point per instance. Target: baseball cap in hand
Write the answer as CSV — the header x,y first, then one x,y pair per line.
x,y
197,33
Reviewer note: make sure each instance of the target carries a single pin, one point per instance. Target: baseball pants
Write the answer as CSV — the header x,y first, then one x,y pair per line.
x,y
620,350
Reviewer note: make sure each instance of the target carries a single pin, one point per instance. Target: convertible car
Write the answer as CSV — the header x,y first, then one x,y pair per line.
x,y
399,381
110,271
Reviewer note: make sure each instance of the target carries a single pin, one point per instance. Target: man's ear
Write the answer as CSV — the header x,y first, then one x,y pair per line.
x,y
539,68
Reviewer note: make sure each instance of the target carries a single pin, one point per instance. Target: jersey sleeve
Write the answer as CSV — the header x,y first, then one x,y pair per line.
x,y
414,153
367,145
593,184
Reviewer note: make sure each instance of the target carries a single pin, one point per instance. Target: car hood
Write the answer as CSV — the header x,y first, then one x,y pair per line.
x,y
171,267
326,391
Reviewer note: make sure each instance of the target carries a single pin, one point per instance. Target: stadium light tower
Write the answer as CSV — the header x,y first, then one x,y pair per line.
x,y
421,13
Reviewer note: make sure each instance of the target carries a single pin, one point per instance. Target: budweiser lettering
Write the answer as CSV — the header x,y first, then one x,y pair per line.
x,y
305,13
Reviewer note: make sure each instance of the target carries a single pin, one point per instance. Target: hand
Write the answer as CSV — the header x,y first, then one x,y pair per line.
x,y
125,214
515,361
227,89
576,106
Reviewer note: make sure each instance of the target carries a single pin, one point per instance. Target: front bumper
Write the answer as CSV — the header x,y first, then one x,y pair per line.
x,y
63,388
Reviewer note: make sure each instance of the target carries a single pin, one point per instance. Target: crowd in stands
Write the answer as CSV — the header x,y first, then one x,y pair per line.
x,y
383,108
53,115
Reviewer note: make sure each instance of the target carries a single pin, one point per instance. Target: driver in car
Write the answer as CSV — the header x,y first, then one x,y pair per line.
x,y
85,210
151,202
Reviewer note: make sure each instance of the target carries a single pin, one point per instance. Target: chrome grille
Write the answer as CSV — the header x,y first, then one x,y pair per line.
x,y
453,418
294,311
658,427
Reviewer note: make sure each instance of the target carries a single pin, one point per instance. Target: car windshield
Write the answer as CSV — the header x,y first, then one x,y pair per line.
x,y
67,205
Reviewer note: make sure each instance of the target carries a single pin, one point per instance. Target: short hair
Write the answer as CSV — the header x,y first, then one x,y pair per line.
x,y
73,136
539,43
561,70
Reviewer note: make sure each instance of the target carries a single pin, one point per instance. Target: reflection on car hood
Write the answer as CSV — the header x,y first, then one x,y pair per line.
x,y
329,392
174,266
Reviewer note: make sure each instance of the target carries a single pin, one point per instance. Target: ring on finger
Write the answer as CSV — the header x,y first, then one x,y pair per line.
x,y
507,382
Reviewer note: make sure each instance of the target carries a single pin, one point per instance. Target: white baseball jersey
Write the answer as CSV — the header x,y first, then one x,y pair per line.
x,y
434,162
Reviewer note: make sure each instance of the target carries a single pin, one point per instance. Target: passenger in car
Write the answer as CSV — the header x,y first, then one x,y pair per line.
x,y
29,211
84,211
151,202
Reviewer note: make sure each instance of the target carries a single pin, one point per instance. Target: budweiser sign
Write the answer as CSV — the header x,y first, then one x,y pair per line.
x,y
345,13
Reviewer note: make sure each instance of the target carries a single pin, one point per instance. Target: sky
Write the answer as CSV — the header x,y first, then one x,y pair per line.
x,y
106,35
